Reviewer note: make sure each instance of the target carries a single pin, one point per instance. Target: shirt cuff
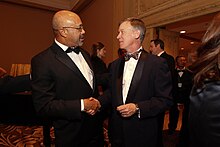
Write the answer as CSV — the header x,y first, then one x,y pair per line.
x,y
82,105
138,110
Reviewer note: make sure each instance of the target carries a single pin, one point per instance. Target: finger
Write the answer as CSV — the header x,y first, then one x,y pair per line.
x,y
122,107
91,112
125,115
91,98
124,110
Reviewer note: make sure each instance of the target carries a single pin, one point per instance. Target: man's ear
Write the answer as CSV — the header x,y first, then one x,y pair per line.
x,y
137,34
63,32
158,46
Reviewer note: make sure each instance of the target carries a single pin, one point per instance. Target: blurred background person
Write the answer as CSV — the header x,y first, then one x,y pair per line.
x,y
157,48
99,66
204,116
183,85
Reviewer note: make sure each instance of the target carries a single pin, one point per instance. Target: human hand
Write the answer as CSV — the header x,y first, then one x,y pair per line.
x,y
91,105
127,110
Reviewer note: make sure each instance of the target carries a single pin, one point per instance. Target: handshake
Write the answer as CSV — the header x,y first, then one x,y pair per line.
x,y
91,105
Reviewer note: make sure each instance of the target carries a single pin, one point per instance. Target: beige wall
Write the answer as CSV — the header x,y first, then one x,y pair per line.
x,y
98,20
24,31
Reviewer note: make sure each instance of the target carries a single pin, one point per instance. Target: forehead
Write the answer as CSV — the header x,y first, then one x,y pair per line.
x,y
125,25
181,58
152,43
72,18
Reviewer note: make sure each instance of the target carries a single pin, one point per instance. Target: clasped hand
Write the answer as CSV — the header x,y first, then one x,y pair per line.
x,y
127,110
91,105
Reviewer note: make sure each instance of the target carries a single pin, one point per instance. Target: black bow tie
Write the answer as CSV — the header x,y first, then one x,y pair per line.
x,y
76,50
133,55
179,70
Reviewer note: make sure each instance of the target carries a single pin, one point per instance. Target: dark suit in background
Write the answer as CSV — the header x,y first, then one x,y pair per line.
x,y
183,86
9,84
171,65
157,48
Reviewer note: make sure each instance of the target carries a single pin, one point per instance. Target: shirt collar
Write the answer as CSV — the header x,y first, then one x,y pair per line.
x,y
160,53
64,47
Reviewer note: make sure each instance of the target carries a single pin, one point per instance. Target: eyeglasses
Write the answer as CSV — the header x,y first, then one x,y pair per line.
x,y
80,28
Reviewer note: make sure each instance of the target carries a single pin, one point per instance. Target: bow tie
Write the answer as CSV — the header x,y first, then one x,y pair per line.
x,y
133,55
179,70
76,50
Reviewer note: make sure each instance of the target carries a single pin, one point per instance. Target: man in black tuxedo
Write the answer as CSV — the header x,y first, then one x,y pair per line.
x,y
63,84
157,48
138,92
183,85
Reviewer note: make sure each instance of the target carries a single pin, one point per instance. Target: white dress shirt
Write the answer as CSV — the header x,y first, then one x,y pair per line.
x,y
81,63
128,73
160,53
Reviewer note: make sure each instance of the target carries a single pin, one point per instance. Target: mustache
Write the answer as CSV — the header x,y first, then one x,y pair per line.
x,y
82,36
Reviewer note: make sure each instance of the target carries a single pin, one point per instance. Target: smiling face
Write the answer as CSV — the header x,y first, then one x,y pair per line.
x,y
128,37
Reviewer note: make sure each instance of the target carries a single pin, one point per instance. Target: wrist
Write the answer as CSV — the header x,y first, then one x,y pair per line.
x,y
137,109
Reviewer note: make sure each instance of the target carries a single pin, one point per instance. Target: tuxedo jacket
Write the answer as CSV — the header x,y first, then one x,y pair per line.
x,y
150,88
204,116
181,94
170,61
171,64
58,85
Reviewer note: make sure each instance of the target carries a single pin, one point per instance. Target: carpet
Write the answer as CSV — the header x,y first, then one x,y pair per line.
x,y
32,136
21,136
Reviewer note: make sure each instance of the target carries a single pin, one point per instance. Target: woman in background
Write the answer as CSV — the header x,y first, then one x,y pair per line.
x,y
204,117
100,68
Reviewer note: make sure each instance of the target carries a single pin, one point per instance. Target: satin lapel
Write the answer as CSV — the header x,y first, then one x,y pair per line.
x,y
119,82
66,60
136,77
87,58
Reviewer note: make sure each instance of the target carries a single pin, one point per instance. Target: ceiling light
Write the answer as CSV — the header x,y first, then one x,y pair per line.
x,y
191,42
182,32
182,48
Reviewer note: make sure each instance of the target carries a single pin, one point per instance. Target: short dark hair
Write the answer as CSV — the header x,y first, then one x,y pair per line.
x,y
177,57
158,41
